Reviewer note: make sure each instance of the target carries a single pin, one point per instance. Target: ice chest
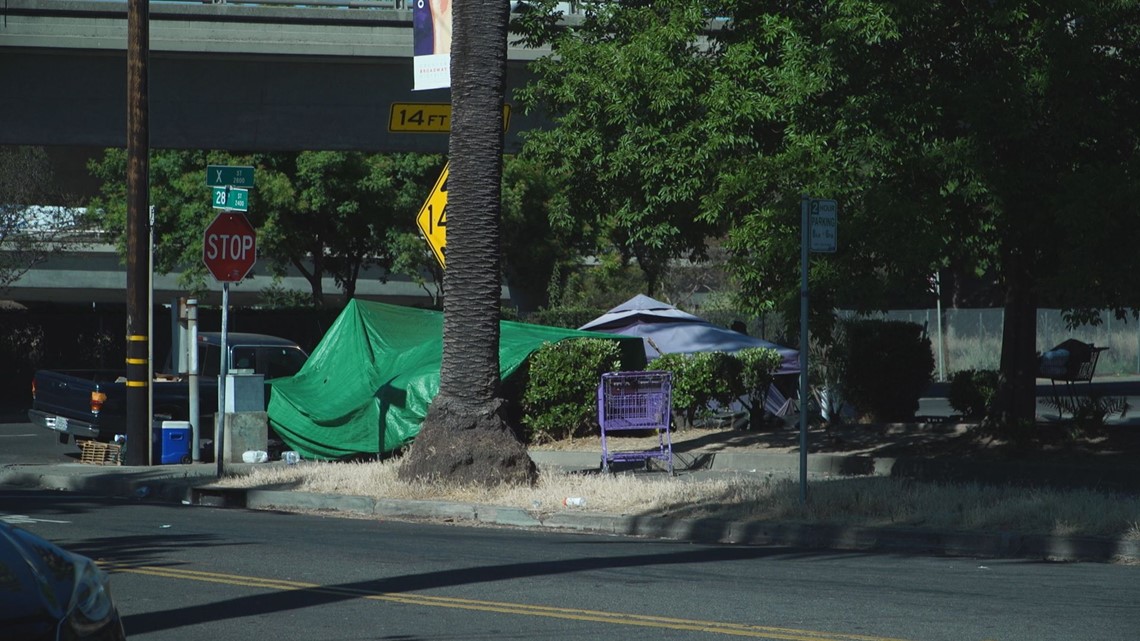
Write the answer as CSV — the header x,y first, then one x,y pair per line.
x,y
171,443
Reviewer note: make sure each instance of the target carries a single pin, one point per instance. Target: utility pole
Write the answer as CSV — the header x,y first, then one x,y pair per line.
x,y
138,262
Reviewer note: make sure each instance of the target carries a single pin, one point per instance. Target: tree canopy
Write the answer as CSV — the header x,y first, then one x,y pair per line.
x,y
994,139
323,213
36,218
624,89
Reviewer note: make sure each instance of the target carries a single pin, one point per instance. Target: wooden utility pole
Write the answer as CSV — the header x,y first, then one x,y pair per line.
x,y
138,262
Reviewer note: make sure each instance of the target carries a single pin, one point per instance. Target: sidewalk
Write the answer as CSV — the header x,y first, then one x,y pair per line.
x,y
194,485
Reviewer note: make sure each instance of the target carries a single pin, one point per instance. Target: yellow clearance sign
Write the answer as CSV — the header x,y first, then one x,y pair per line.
x,y
427,118
432,219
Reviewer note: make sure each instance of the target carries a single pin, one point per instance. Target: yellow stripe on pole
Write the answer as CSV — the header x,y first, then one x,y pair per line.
x,y
136,338
136,361
136,383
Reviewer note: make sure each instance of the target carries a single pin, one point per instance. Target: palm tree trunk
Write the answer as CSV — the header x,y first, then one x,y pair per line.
x,y
465,437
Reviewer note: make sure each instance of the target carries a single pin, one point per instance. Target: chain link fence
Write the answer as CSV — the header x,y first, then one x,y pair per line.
x,y
971,338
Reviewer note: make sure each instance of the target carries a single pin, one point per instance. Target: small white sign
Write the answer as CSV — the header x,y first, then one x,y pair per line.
x,y
822,217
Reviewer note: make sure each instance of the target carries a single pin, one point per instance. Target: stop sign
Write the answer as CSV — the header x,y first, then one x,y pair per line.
x,y
229,247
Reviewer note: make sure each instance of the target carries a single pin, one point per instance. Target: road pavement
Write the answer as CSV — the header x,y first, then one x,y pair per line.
x,y
196,574
44,464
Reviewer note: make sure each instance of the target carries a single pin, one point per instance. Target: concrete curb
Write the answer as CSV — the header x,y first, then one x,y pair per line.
x,y
194,484
709,531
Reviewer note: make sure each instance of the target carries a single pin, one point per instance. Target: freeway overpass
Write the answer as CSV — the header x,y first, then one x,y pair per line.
x,y
223,75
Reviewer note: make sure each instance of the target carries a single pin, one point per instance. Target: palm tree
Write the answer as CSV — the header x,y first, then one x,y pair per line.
x,y
465,437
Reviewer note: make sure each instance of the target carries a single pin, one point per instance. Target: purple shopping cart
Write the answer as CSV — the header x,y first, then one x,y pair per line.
x,y
639,401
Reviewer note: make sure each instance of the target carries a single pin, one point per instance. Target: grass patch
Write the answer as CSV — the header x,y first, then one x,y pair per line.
x,y
860,501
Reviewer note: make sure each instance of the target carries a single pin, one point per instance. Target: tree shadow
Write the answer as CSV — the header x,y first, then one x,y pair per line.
x,y
286,600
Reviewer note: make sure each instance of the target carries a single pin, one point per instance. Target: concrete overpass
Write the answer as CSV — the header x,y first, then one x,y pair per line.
x,y
94,273
237,77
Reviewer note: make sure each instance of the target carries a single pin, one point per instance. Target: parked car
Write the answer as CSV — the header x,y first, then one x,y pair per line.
x,y
50,594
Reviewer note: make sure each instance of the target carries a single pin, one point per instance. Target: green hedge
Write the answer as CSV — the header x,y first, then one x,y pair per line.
x,y
559,398
972,391
887,366
699,380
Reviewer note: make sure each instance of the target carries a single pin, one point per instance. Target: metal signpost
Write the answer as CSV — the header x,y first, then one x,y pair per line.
x,y
818,234
229,250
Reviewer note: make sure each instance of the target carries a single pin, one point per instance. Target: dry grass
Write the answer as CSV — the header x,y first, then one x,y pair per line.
x,y
875,501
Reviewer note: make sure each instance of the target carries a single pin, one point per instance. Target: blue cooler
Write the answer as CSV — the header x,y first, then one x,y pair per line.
x,y
171,443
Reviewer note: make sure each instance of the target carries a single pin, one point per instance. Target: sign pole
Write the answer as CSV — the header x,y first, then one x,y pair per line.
x,y
229,250
804,231
223,372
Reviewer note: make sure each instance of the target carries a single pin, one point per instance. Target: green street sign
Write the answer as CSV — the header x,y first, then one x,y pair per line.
x,y
231,198
229,176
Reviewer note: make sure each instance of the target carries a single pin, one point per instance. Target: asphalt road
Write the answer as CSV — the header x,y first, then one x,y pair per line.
x,y
190,573
27,444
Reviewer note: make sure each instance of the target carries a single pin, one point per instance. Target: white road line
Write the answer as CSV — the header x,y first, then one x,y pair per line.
x,y
16,519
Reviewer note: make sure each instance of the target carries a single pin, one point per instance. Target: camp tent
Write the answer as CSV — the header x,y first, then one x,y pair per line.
x,y
367,386
664,329
668,330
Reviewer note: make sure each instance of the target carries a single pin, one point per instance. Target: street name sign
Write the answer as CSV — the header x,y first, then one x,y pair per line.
x,y
229,247
229,176
823,225
432,219
231,198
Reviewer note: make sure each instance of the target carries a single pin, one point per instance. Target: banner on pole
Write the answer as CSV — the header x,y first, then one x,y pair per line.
x,y
431,36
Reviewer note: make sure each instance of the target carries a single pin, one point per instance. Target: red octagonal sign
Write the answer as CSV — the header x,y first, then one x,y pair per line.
x,y
229,247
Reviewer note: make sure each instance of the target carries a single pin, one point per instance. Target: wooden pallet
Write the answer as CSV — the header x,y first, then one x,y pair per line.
x,y
96,453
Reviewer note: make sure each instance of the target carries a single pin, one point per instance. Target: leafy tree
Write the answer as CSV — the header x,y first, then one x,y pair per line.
x,y
336,210
540,239
465,437
181,208
36,218
624,90
414,259
994,139
324,213
599,286
952,134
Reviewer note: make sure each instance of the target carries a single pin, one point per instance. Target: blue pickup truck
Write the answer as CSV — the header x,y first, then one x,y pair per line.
x,y
91,404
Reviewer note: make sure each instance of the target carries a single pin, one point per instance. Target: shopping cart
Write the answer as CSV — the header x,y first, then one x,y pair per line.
x,y
641,401
1071,362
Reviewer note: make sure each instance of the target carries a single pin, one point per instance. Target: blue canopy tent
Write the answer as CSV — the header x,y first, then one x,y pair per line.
x,y
664,329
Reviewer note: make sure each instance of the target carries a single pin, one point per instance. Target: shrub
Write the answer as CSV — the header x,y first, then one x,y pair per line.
x,y
972,391
1089,413
758,364
887,366
559,398
699,380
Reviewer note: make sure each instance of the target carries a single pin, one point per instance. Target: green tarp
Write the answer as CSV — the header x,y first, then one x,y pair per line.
x,y
367,386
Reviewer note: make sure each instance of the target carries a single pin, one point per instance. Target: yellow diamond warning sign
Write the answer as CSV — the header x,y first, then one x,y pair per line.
x,y
432,219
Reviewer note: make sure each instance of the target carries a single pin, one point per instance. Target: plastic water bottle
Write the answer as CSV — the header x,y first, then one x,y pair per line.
x,y
290,457
574,501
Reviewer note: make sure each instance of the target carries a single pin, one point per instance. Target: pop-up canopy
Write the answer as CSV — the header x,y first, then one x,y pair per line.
x,y
668,330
